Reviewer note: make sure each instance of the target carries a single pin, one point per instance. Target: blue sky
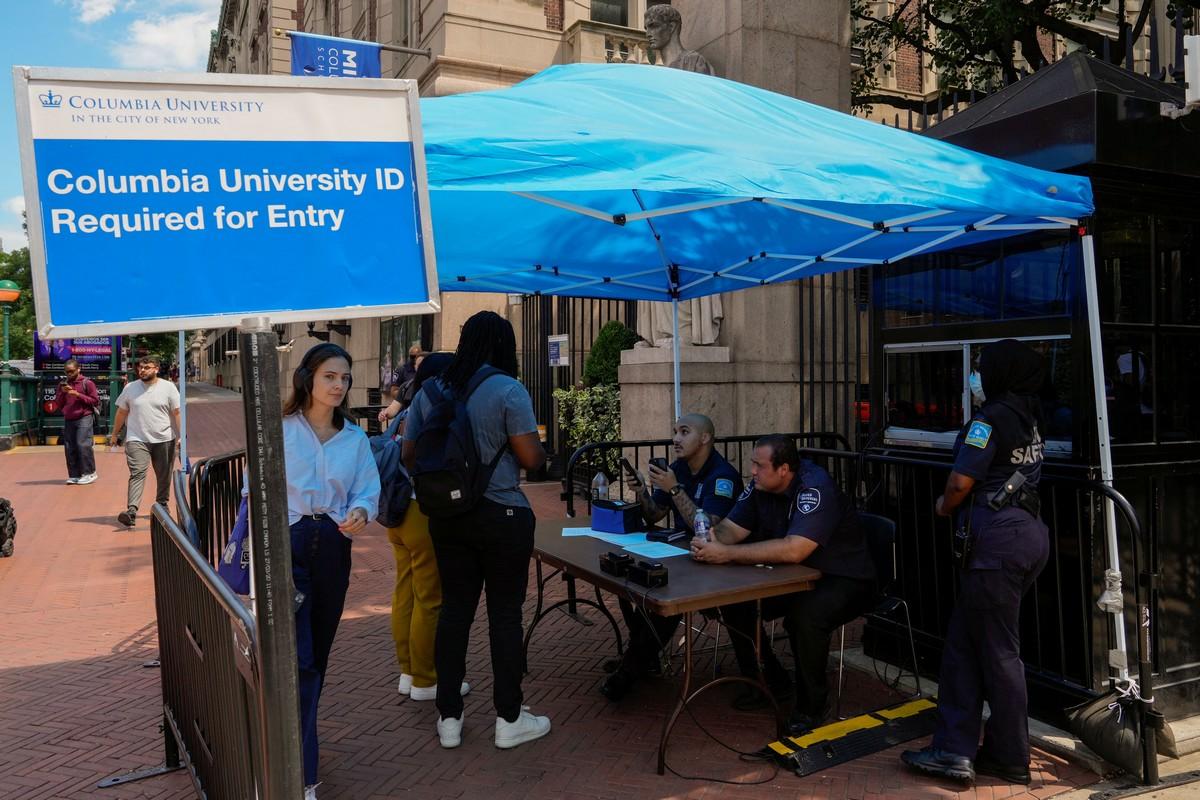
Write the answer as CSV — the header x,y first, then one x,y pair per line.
x,y
168,35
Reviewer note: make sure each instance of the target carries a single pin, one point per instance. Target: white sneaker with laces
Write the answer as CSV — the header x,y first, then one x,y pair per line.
x,y
71,481
405,683
526,728
89,478
430,692
450,731
310,792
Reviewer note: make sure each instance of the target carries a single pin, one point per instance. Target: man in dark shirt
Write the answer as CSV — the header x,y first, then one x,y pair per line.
x,y
77,398
793,513
699,479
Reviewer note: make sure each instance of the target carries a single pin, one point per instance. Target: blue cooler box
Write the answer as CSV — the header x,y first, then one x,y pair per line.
x,y
616,516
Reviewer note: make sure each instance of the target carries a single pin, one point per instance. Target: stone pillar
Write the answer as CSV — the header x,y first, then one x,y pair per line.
x,y
758,384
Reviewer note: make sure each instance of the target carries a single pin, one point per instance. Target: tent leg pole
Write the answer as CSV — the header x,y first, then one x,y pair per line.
x,y
1118,657
183,455
675,356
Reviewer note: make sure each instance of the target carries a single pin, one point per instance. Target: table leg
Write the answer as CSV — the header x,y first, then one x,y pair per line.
x,y
541,611
683,693
685,698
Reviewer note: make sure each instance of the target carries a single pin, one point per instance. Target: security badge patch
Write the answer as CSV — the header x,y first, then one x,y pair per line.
x,y
978,434
808,501
724,488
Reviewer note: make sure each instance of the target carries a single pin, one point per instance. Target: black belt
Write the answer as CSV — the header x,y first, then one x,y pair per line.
x,y
315,517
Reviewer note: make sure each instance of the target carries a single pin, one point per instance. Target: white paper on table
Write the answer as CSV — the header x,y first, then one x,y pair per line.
x,y
656,550
577,531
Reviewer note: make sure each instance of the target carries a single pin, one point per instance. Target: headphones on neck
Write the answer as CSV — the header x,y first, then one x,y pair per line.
x,y
302,379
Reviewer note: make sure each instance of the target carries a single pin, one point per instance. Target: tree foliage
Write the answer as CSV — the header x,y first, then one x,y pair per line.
x,y
981,44
591,415
14,266
600,369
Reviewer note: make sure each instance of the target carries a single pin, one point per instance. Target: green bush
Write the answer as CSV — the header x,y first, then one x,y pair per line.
x,y
600,369
591,415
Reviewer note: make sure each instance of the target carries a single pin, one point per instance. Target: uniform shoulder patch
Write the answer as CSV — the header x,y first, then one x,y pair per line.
x,y
978,434
723,488
749,490
808,501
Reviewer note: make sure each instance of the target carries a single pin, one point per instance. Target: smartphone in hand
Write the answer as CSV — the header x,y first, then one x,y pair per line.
x,y
659,462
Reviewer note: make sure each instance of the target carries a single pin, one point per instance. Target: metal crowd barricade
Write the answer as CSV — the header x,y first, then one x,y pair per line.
x,y
214,494
209,678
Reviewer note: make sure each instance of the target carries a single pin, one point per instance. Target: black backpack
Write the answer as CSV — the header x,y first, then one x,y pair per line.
x,y
8,528
449,477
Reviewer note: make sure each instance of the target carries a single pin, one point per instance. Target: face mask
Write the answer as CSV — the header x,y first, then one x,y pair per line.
x,y
976,384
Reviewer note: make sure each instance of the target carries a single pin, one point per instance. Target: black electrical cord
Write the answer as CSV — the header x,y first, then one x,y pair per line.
x,y
742,755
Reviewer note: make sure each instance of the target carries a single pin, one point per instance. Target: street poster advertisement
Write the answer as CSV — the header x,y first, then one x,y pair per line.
x,y
163,202
94,354
334,57
560,350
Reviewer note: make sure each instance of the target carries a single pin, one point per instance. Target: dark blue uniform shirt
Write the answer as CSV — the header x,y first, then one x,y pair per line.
x,y
812,507
714,488
991,447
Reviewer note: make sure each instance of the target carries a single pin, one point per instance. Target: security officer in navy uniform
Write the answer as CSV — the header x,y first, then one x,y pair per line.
x,y
793,513
699,478
997,466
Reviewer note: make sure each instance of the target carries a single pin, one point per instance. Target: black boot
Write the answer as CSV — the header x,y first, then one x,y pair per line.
x,y
944,764
618,684
1012,773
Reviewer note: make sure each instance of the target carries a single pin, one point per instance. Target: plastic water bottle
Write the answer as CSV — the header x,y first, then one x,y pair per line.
x,y
701,525
599,487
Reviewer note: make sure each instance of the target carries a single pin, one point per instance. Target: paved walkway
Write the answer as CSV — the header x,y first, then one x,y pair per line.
x,y
77,704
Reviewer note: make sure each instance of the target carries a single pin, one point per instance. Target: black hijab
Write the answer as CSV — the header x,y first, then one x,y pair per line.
x,y
1012,374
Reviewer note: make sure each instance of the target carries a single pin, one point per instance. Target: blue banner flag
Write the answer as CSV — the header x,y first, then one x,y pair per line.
x,y
332,57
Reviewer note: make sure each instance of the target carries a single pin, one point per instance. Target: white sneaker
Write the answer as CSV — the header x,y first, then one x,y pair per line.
x,y
430,692
405,683
450,731
71,481
89,478
527,728
310,792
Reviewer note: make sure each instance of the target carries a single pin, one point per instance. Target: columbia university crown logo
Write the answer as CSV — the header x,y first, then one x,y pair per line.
x,y
50,99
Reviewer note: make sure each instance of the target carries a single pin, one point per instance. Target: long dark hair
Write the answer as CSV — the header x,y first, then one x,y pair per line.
x,y
302,381
486,338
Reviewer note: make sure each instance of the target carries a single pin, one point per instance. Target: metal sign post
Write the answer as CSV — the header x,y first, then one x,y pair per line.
x,y
271,562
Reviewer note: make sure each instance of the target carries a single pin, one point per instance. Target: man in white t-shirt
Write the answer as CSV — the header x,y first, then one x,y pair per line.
x,y
150,408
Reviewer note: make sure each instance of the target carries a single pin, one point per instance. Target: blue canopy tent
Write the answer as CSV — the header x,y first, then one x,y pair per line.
x,y
642,183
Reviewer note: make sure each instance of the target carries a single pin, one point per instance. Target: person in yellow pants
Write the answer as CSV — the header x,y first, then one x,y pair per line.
x,y
417,597
415,604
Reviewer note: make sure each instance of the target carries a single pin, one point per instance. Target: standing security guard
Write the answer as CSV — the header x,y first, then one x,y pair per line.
x,y
1001,547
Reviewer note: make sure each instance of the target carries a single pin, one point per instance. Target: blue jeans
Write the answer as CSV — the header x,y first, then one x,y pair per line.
x,y
321,572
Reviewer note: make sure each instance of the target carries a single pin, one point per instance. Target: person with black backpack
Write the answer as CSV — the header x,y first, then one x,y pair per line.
x,y
468,435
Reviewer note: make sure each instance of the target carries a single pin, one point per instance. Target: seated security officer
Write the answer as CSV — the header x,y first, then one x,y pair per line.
x,y
699,478
793,513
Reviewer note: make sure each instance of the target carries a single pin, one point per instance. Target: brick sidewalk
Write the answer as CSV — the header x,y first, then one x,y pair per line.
x,y
76,704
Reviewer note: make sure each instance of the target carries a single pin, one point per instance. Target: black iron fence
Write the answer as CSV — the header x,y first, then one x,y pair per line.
x,y
585,462
1065,638
580,319
206,649
214,494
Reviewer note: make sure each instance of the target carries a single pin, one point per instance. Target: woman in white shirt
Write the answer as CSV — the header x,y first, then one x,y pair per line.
x,y
333,491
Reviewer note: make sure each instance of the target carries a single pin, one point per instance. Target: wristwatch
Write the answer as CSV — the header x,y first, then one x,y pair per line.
x,y
676,489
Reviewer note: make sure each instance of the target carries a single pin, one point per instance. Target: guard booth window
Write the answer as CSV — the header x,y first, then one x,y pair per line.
x,y
1149,269
930,393
1023,279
